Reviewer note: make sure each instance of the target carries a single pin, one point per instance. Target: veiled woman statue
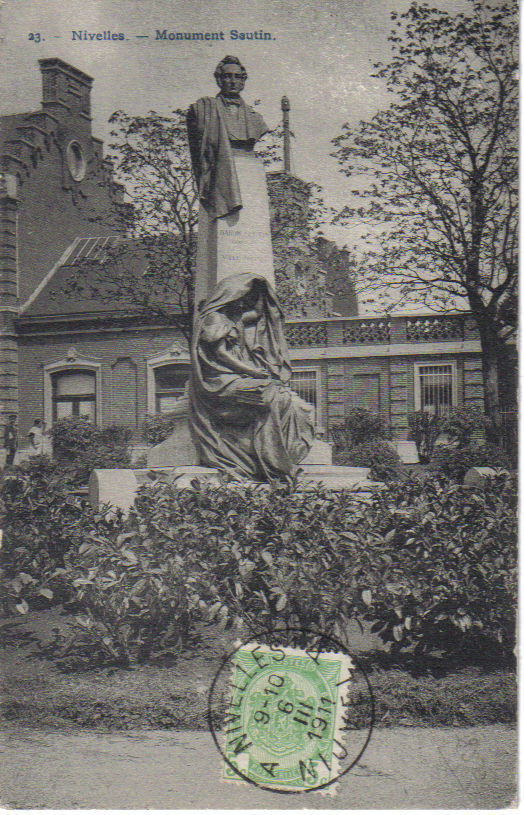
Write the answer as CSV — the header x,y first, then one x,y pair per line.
x,y
244,417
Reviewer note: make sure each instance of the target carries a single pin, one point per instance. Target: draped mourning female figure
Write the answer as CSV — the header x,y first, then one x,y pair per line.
x,y
244,417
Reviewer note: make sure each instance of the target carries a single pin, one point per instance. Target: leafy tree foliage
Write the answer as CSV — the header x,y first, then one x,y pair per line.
x,y
151,158
437,170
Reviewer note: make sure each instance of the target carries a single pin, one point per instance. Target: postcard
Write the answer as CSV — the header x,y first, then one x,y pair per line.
x,y
258,404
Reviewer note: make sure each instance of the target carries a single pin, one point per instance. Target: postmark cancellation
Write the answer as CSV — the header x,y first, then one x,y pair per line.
x,y
283,726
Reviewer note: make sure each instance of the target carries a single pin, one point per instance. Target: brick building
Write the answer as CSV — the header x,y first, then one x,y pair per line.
x,y
63,355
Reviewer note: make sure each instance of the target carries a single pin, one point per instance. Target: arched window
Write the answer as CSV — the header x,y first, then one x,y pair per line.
x,y
74,394
170,382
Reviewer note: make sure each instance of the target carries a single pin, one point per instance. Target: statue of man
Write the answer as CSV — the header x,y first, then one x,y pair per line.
x,y
218,126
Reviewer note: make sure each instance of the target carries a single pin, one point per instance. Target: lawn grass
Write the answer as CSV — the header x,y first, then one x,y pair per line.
x,y
35,692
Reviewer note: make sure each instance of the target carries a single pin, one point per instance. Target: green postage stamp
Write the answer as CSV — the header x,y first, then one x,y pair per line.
x,y
284,717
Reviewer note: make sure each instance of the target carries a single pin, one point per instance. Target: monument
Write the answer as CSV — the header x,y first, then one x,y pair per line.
x,y
239,414
244,417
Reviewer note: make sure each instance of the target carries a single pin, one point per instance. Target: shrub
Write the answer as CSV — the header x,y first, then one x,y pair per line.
x,y
223,555
358,427
81,446
383,460
424,431
433,565
451,586
135,600
263,557
462,423
454,462
41,520
159,427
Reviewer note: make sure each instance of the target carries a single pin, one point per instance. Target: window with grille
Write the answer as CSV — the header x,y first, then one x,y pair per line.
x,y
435,388
74,394
305,383
170,382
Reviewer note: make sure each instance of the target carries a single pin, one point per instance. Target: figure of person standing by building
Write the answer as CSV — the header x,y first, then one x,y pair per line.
x,y
36,439
10,439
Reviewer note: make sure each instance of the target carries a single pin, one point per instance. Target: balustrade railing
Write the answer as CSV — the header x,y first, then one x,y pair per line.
x,y
379,330
366,331
434,328
303,335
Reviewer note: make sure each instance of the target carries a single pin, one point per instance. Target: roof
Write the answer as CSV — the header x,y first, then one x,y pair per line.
x,y
85,281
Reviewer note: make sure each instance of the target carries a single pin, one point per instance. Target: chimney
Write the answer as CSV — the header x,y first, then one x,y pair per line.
x,y
65,89
284,104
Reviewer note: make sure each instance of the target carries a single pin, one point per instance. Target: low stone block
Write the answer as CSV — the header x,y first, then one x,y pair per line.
x,y
117,488
407,451
182,477
479,476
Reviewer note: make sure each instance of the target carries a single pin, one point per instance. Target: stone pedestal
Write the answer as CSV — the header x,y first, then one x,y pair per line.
x,y
177,449
118,488
239,242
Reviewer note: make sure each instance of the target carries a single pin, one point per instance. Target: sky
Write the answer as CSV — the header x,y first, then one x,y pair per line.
x,y
321,56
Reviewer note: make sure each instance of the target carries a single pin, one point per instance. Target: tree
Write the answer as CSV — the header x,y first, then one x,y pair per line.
x,y
147,270
151,274
438,170
300,250
150,156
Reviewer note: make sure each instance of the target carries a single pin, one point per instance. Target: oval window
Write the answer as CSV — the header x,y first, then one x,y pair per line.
x,y
76,161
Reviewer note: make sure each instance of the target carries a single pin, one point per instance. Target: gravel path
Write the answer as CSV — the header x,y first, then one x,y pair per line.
x,y
402,768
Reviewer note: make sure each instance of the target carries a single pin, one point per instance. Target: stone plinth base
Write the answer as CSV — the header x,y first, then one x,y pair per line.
x,y
335,477
321,453
178,449
118,488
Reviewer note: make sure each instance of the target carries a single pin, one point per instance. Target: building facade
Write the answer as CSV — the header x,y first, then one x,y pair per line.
x,y
63,355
